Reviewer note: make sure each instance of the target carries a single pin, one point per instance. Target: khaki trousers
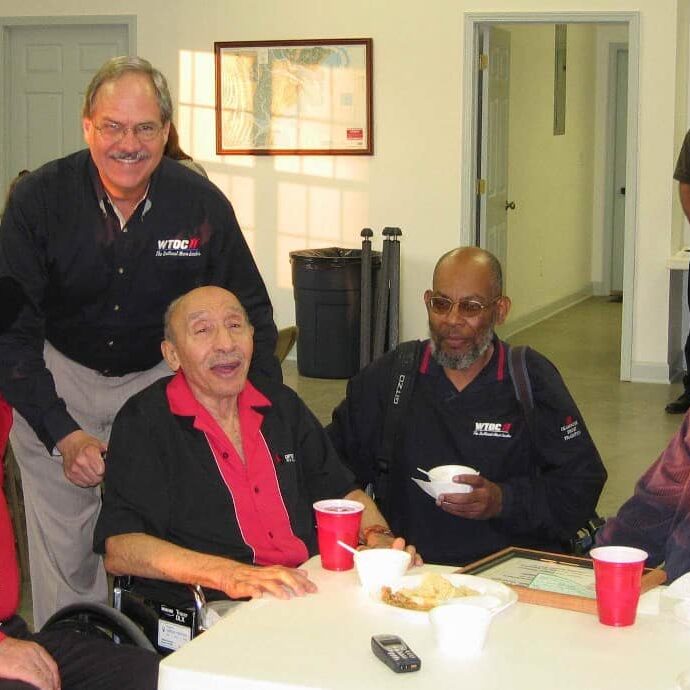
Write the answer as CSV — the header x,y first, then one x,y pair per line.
x,y
60,517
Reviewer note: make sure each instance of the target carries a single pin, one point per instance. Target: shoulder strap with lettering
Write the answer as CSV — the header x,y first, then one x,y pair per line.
x,y
401,383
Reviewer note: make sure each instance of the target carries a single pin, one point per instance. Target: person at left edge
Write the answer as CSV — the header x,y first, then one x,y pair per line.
x,y
101,241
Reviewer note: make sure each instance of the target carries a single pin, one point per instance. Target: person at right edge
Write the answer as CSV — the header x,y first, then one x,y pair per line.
x,y
539,478
682,174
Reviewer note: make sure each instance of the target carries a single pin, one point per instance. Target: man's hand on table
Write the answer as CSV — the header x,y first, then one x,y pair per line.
x,y
28,662
82,458
483,502
255,581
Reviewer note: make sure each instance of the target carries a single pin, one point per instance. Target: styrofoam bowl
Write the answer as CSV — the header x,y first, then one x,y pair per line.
x,y
445,473
379,567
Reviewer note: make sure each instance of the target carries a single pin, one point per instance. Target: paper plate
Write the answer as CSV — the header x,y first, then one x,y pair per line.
x,y
435,489
680,588
492,595
681,612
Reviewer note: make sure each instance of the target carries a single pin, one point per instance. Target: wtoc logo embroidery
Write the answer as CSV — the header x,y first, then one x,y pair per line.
x,y
570,428
176,247
496,429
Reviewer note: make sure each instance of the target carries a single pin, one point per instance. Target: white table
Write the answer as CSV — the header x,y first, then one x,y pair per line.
x,y
323,641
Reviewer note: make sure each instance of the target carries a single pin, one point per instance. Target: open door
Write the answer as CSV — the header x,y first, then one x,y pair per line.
x,y
493,113
619,163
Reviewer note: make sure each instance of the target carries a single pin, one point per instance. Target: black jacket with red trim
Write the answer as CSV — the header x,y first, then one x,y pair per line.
x,y
551,478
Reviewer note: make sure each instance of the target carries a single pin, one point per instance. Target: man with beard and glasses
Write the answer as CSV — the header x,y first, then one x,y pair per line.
x,y
226,470
540,474
100,242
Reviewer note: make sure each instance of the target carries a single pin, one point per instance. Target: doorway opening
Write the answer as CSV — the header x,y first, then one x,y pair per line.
x,y
547,203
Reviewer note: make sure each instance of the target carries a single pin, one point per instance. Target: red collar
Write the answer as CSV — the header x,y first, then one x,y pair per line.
x,y
183,403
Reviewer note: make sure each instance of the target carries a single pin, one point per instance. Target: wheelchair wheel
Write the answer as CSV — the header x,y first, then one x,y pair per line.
x,y
98,620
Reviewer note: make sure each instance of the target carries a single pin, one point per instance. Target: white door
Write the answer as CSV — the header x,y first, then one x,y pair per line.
x,y
620,146
48,70
494,114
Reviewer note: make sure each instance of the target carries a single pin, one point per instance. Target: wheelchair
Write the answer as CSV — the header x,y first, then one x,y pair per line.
x,y
144,617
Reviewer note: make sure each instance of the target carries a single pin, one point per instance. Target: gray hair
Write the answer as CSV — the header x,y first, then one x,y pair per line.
x,y
167,319
116,67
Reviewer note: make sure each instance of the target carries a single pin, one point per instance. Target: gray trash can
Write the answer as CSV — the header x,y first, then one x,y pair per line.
x,y
326,284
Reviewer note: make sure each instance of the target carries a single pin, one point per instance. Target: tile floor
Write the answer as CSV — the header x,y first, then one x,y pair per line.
x,y
626,420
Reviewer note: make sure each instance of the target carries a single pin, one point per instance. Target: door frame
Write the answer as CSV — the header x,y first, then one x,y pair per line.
x,y
609,166
468,174
7,24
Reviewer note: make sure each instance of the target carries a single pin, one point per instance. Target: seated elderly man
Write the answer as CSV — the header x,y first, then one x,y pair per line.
x,y
210,477
540,474
657,516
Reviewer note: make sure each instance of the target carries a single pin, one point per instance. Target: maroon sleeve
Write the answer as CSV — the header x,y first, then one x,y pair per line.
x,y
9,572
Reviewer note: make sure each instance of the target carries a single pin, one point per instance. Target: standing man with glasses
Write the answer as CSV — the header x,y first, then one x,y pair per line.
x,y
540,474
101,241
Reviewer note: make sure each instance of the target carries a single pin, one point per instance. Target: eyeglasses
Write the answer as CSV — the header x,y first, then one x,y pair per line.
x,y
466,307
113,131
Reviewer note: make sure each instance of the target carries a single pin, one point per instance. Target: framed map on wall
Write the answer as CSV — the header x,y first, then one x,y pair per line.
x,y
294,97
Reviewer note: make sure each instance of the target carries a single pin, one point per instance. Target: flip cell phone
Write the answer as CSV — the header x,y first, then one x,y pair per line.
x,y
393,651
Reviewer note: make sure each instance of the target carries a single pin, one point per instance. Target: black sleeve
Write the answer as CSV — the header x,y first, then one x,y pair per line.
x,y
136,496
356,425
569,475
325,476
25,380
235,270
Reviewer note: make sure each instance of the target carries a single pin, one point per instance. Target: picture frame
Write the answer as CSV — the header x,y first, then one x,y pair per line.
x,y
301,97
549,579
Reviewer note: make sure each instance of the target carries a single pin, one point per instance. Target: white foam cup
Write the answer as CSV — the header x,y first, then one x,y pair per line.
x,y
460,629
379,567
445,473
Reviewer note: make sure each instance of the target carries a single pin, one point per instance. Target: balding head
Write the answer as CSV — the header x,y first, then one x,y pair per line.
x,y
472,258
177,305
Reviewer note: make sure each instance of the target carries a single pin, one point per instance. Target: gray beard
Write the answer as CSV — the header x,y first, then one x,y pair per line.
x,y
466,360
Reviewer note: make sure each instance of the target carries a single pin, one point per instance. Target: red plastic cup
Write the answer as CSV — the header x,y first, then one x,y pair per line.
x,y
337,519
617,579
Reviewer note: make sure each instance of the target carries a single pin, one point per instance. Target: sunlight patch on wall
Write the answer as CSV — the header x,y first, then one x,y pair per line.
x,y
324,214
241,190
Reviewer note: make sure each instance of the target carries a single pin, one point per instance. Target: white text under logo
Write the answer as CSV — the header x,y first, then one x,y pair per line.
x,y
496,429
570,429
176,247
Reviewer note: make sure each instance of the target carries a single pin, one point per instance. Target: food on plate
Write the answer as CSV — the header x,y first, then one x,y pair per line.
x,y
433,590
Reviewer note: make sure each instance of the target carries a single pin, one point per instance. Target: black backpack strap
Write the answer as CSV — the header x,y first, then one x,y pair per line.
x,y
583,540
401,384
517,366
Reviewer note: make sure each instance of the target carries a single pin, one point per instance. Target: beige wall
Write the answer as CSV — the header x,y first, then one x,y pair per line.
x,y
413,180
550,177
